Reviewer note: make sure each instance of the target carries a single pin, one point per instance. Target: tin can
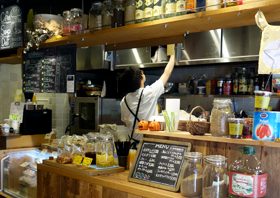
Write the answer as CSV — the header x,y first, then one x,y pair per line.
x,y
227,87
220,83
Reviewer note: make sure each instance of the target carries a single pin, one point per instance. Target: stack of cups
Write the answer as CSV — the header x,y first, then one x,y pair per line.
x,y
173,105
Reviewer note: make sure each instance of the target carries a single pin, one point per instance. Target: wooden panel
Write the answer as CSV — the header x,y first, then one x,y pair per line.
x,y
11,60
209,138
133,196
48,184
2,195
89,172
22,141
96,191
109,192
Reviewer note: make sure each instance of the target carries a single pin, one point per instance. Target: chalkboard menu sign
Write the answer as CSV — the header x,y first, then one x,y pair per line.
x,y
50,70
158,163
11,31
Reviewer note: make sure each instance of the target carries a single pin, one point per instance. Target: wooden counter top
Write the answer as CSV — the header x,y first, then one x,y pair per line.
x,y
117,181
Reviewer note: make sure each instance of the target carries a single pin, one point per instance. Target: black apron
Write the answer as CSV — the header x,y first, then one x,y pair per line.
x,y
134,144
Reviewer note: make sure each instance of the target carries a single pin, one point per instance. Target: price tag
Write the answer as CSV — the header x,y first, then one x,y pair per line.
x,y
77,159
25,164
55,143
48,136
87,161
43,152
54,153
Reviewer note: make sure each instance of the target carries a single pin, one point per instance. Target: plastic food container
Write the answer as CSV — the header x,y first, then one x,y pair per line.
x,y
235,127
262,99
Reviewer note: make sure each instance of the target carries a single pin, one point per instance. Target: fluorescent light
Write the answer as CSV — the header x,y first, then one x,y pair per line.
x,y
136,55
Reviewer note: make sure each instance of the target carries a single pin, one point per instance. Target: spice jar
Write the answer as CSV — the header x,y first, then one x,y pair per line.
x,y
66,22
105,152
191,175
214,177
95,16
107,14
219,117
235,127
76,20
118,13
129,14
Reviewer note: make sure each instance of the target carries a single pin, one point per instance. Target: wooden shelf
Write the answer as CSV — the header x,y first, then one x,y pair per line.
x,y
171,30
11,60
213,96
209,137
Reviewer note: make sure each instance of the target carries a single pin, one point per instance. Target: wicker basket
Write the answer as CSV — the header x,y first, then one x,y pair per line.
x,y
198,127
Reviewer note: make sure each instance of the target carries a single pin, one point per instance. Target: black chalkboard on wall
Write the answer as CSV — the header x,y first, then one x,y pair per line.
x,y
45,70
158,163
11,31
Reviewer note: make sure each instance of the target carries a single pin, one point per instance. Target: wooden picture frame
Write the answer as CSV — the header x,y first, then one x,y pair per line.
x,y
152,184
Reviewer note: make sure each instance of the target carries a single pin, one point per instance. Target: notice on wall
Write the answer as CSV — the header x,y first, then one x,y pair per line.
x,y
158,163
11,31
47,70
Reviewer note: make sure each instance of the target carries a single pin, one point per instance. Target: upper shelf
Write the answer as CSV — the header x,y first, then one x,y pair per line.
x,y
171,30
209,137
213,96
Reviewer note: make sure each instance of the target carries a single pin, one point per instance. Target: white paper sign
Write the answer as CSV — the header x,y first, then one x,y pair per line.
x,y
70,83
43,152
17,109
55,143
48,136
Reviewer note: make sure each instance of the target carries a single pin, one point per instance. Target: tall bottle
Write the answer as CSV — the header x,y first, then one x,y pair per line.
x,y
139,11
118,13
191,5
256,83
242,88
170,8
158,10
247,178
250,82
148,10
181,7
107,14
235,82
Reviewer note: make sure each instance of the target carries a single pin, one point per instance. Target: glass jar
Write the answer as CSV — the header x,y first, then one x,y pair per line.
x,y
219,117
213,4
107,14
95,16
215,177
105,152
90,150
118,13
192,174
129,15
76,21
66,22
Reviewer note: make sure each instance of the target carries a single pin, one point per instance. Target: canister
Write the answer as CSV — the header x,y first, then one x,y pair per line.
x,y
220,83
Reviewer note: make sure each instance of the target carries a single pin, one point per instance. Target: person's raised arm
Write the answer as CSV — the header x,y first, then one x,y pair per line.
x,y
168,70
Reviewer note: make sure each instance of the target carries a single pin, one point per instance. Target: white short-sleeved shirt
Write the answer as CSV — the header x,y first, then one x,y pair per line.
x,y
148,105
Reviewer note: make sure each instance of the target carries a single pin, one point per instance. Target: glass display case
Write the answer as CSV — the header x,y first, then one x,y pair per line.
x,y
19,173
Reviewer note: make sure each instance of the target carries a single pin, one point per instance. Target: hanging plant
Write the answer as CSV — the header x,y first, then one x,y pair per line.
x,y
45,30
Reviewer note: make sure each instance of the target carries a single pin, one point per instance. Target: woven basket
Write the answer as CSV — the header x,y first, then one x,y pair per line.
x,y
198,127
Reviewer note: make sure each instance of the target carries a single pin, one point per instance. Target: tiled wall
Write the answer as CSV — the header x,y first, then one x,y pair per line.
x,y
11,79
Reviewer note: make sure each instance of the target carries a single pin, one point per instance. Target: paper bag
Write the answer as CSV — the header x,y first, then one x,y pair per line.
x,y
269,56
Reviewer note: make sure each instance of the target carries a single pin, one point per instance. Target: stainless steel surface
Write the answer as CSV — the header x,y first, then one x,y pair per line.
x,y
111,111
2,172
90,58
143,65
241,41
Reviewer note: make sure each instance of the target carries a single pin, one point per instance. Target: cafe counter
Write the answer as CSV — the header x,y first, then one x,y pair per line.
x,y
57,182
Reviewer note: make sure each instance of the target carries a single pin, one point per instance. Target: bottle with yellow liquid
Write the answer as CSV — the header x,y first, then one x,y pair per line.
x,y
130,158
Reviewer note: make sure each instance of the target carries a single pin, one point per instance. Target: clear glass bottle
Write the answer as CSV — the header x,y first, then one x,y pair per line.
x,y
219,117
235,82
215,177
90,150
256,83
118,13
250,82
107,14
129,15
95,16
76,21
191,175
247,178
242,79
66,22
105,152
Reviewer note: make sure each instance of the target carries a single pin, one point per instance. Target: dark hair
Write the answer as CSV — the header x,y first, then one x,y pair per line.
x,y
131,79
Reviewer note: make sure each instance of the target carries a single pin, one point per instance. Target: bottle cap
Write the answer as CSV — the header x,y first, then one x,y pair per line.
x,y
249,150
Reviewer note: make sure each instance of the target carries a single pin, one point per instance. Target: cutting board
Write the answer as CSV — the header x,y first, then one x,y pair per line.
x,y
89,172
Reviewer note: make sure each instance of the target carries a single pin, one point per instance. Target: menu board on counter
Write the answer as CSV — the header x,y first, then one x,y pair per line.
x,y
11,31
47,70
158,163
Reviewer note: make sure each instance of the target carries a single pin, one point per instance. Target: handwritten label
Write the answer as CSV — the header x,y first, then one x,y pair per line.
x,y
43,152
87,161
55,143
25,164
54,153
48,136
78,159
159,163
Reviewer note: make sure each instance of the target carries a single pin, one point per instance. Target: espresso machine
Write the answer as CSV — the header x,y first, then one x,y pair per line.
x,y
36,119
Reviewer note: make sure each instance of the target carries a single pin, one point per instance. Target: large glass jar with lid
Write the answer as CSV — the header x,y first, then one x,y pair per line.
x,y
118,13
191,175
105,152
219,117
66,22
95,16
76,20
107,14
129,15
215,177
